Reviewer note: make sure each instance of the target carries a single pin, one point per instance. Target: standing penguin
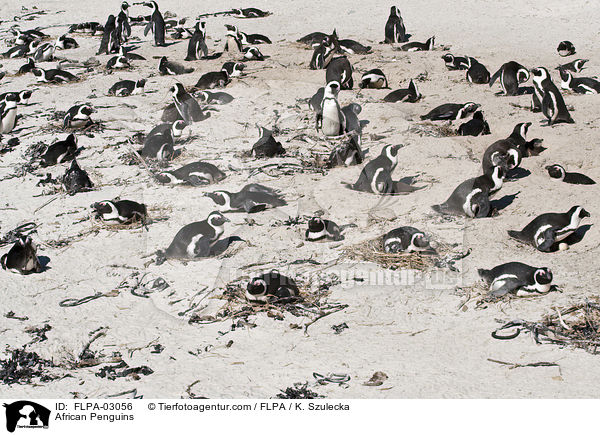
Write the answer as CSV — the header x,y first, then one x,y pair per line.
x,y
375,176
323,53
511,75
394,27
8,113
110,41
22,257
553,104
197,48
156,24
331,119
123,26
340,70
550,228
188,108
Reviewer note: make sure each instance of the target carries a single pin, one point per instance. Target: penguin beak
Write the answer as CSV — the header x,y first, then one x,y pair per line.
x,y
226,219
585,213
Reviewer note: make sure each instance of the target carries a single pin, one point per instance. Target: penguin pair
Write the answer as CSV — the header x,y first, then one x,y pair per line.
x,y
195,240
451,112
156,25
124,88
376,176
475,127
546,230
251,199
477,73
192,174
167,67
408,95
322,229
76,180
510,75
515,277
78,116
472,197
558,172
60,151
454,63
405,239
271,284
580,85
547,98
419,46
22,257
56,76
8,113
394,27
266,146
373,79
197,48
122,212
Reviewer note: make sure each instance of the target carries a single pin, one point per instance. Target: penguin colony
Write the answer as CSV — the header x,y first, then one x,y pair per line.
x,y
547,231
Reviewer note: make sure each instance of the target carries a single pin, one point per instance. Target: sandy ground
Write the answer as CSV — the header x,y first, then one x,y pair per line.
x,y
414,332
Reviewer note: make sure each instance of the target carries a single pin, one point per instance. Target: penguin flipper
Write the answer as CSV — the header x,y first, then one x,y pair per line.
x,y
202,247
441,208
148,28
518,236
548,240
504,286
495,77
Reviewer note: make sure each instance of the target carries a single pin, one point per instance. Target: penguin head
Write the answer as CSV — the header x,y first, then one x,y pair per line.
x,y
24,96
448,58
391,152
579,212
203,96
521,129
221,198
522,75
418,242
231,30
316,224
140,83
102,207
480,205
38,72
470,107
11,100
565,48
565,75
579,64
86,110
124,6
332,89
543,275
178,127
177,89
412,87
556,171
257,289
216,219
499,172
540,74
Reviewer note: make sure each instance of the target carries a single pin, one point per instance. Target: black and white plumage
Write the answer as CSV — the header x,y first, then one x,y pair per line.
x,y
580,85
511,150
340,70
312,39
159,146
210,97
323,52
451,111
419,46
78,116
110,40
346,154
546,230
167,67
266,146
53,75
575,66
350,46
558,172
156,25
405,239
197,48
89,27
330,118
118,62
510,75
22,257
233,69
8,113
65,42
28,67
213,79
123,26
475,126
454,63
22,97
565,48
552,103
60,151
251,199
124,88
394,27
130,55
44,52
187,107
320,229
408,95
515,277
271,284
249,13
76,179
476,72
192,174
252,53
176,128
123,211
195,240
374,78
351,112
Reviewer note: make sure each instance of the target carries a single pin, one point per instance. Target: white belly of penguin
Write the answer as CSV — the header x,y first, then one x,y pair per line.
x,y
331,119
500,281
8,122
539,288
467,207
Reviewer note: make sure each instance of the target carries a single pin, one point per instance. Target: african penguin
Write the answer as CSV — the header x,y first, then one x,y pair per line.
x,y
124,88
159,146
22,257
405,239
213,79
340,70
60,151
408,95
266,146
575,66
451,111
565,48
346,154
331,119
197,48
176,128
511,75
188,108
118,62
580,85
8,113
374,79
320,229
123,26
557,171
76,179
381,166
123,211
28,67
53,75
252,53
394,27
514,276
553,104
166,67
350,46
477,73
271,284
475,127
209,97
323,53
110,41
249,13
194,174
78,116
419,46
546,230
156,24
22,96
455,62
251,199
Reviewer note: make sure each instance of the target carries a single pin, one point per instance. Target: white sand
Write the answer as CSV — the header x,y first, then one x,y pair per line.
x,y
448,356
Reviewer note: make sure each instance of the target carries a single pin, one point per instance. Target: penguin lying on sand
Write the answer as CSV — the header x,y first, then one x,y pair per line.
x,y
194,174
514,277
409,95
451,111
266,146
557,171
123,211
320,229
251,199
271,284
405,239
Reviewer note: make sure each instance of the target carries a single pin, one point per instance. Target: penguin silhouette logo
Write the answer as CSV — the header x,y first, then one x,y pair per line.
x,y
26,414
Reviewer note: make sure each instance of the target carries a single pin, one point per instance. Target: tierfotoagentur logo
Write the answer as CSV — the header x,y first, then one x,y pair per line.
x,y
26,415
